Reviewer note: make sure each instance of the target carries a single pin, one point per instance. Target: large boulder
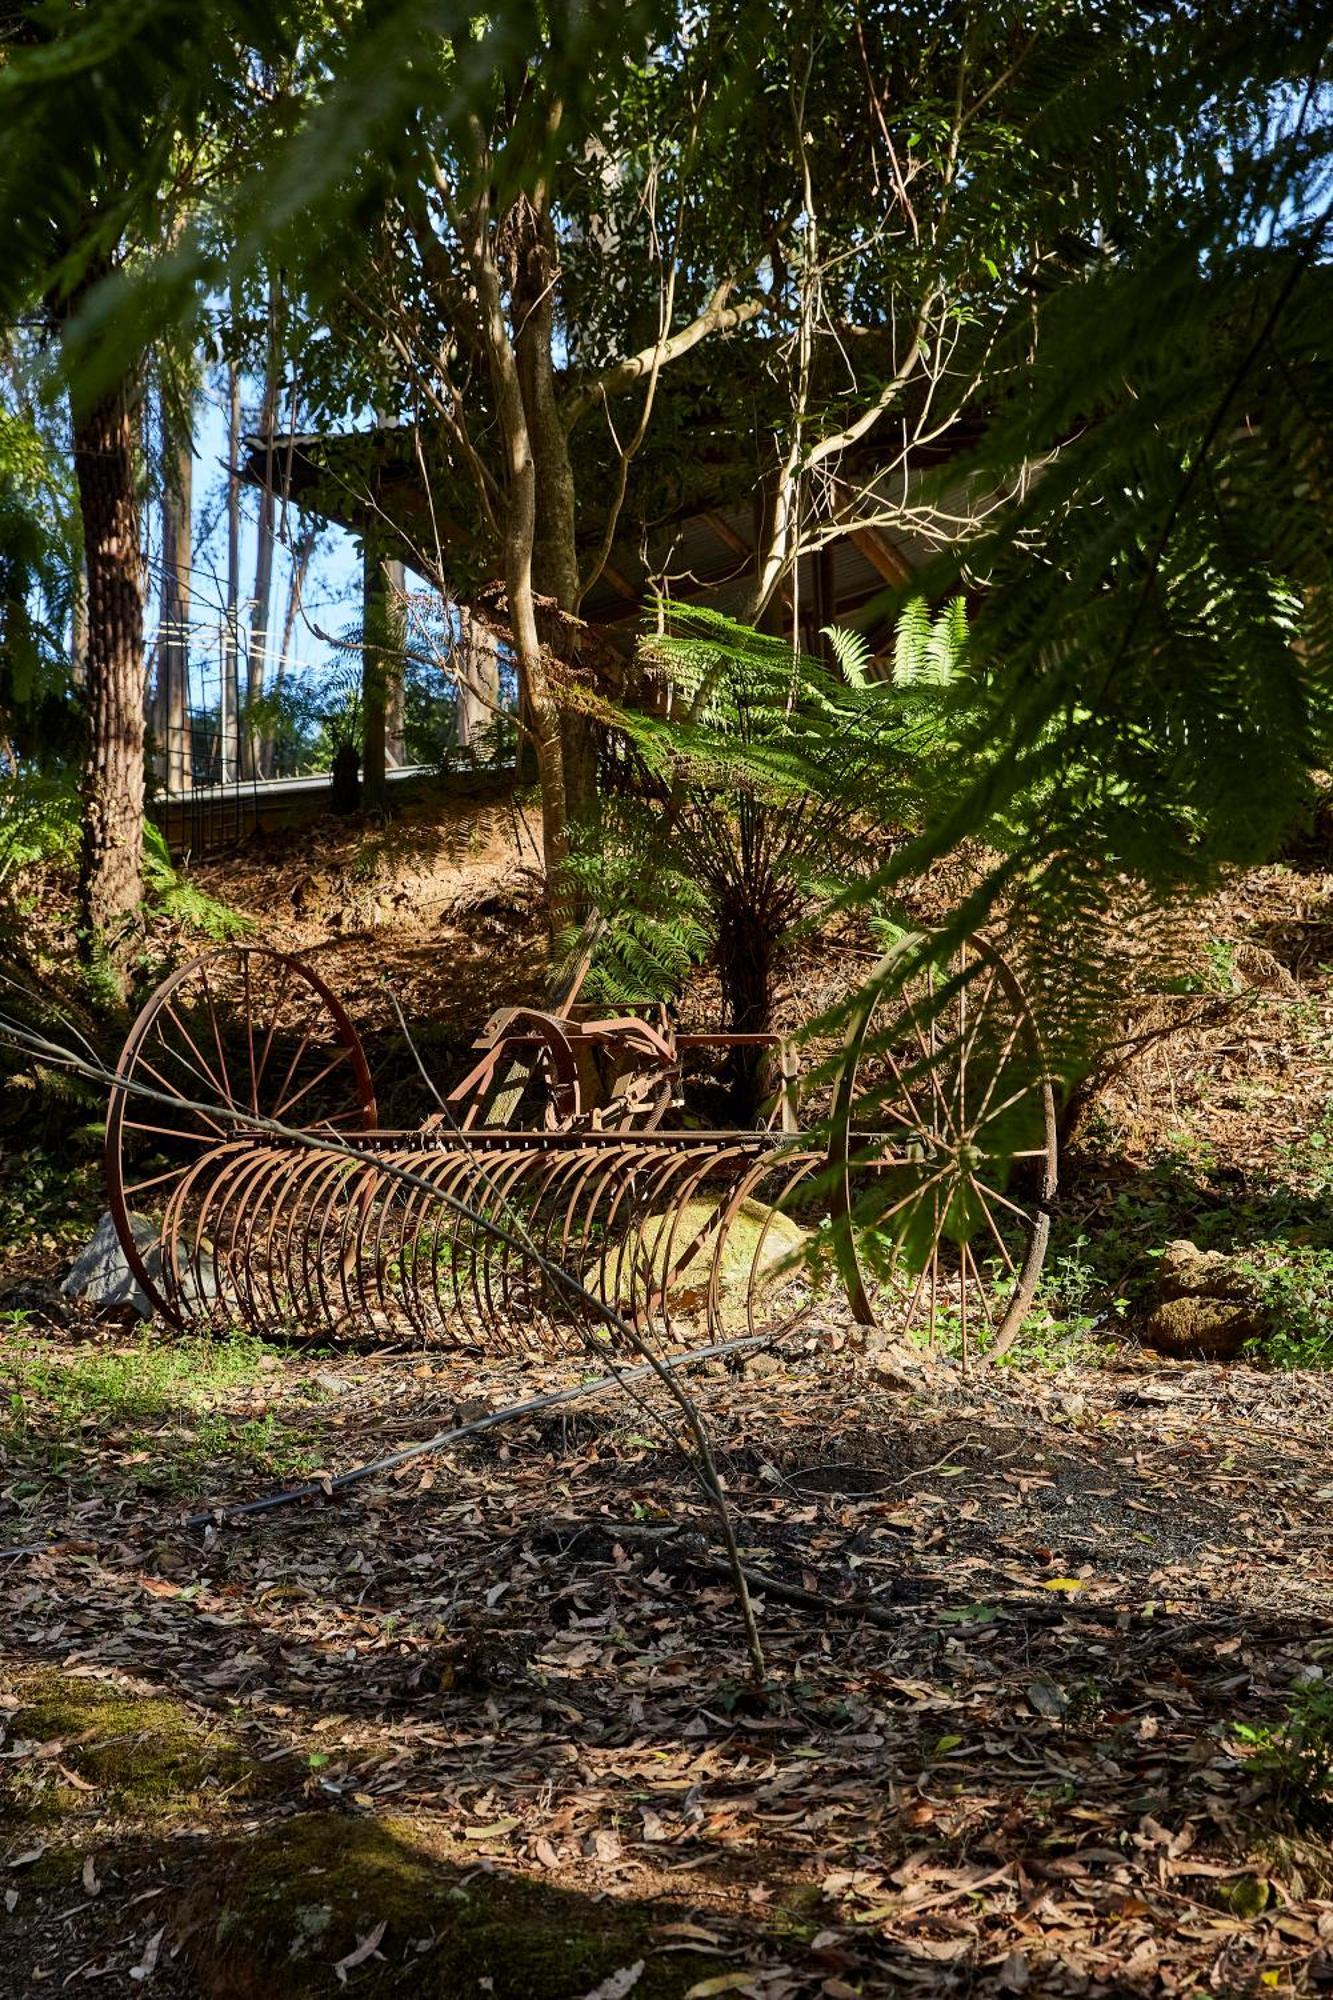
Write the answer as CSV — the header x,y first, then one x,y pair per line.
x,y
685,1239
1207,1305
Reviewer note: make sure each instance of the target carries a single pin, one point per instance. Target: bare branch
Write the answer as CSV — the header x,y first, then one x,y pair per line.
x,y
717,317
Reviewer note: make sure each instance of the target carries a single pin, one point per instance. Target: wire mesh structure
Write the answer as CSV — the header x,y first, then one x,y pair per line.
x,y
564,1180
236,738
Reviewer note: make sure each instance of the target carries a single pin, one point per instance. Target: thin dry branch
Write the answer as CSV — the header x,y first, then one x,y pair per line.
x,y
717,317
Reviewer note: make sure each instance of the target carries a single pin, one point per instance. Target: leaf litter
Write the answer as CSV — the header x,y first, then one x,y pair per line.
x,y
1008,1741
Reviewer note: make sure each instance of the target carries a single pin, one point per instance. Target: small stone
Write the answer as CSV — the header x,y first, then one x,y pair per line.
x,y
890,1377
763,1365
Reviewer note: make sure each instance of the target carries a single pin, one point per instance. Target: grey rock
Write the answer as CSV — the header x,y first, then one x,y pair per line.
x,y
100,1273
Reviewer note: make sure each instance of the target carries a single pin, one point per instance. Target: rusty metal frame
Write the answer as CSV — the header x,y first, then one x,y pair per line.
x,y
414,1235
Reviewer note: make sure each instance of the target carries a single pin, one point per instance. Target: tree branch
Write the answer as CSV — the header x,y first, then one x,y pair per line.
x,y
716,317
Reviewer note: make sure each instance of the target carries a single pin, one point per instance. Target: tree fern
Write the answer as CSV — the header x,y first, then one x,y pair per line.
x,y
739,794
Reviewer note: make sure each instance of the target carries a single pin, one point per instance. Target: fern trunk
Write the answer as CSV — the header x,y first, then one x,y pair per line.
x,y
747,949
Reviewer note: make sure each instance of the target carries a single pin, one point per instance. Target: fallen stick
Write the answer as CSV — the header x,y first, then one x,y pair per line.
x,y
792,1593
323,1489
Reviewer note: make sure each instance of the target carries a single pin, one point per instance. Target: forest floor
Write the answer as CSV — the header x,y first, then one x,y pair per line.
x,y
1045,1707
487,1723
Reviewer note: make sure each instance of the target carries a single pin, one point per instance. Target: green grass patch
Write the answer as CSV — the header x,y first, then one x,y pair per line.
x,y
153,1379
154,1414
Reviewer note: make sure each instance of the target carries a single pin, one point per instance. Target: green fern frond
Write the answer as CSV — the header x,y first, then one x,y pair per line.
x,y
852,651
911,640
174,895
928,652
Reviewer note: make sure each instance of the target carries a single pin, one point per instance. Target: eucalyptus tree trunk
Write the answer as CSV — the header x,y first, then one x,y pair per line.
x,y
111,851
229,726
172,707
301,554
382,640
300,565
569,743
258,743
478,681
518,515
395,703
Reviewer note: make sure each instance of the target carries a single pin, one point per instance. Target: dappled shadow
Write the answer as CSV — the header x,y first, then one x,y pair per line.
x,y
1115,1214
533,1646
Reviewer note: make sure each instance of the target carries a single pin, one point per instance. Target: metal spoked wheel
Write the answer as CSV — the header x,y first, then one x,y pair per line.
x,y
239,1035
945,1150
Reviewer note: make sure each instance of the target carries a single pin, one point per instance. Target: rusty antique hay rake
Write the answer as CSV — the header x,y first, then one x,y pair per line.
x,y
572,1146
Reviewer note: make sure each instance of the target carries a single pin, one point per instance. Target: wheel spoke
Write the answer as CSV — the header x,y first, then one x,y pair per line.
x,y
168,1052
969,1258
228,1092
996,1074
913,1124
932,1073
917,1290
142,1062
968,1038
302,1046
1034,1083
1004,1201
352,1120
343,1055
250,1032
995,1230
173,1132
154,1180
278,1003
871,1155
203,1072
914,1194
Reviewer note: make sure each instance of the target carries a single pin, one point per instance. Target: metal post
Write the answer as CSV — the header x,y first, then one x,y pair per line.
x,y
224,664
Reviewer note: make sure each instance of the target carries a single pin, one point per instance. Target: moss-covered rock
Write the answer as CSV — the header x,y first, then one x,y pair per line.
x,y
281,1910
677,1246
1206,1305
142,1754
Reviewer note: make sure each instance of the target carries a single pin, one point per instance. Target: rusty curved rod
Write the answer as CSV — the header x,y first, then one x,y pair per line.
x,y
267,1235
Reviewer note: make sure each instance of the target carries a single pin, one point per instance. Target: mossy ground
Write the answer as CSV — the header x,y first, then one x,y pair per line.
x,y
271,1910
117,1751
286,1907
